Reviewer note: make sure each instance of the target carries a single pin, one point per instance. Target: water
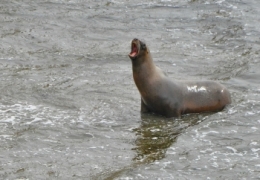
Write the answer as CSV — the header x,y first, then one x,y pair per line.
x,y
69,108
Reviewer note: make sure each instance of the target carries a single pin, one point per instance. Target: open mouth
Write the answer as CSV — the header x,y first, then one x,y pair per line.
x,y
134,50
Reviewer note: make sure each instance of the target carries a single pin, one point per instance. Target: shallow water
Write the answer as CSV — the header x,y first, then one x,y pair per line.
x,y
69,108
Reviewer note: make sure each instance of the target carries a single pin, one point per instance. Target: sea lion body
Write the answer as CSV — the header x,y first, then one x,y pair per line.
x,y
161,95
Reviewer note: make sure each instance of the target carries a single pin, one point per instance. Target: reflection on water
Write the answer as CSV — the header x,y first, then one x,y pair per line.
x,y
156,134
153,138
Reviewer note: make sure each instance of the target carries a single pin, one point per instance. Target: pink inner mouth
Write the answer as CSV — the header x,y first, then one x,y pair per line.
x,y
134,51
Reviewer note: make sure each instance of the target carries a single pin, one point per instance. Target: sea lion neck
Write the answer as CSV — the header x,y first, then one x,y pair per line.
x,y
143,68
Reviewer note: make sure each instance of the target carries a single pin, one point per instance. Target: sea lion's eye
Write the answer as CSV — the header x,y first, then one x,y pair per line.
x,y
143,46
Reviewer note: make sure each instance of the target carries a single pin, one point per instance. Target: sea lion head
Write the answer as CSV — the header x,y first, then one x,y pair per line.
x,y
138,49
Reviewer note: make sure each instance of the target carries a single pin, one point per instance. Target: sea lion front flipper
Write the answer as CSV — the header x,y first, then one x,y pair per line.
x,y
144,108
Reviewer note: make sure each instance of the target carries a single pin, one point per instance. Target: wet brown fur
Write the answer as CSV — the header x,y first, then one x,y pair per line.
x,y
162,96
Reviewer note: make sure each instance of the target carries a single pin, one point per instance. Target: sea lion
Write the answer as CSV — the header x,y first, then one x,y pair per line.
x,y
169,98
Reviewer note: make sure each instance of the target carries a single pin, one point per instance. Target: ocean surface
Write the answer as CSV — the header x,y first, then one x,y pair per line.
x,y
69,108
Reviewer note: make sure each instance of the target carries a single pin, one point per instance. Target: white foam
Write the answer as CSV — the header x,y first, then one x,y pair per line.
x,y
231,148
253,143
8,120
25,113
35,120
